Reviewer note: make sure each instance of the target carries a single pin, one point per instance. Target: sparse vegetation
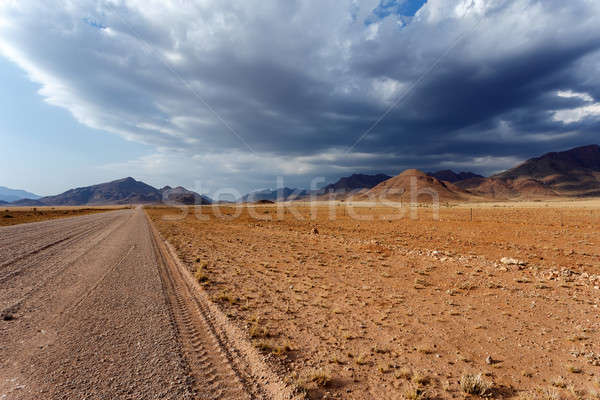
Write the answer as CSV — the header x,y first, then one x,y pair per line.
x,y
404,373
559,382
258,330
347,297
420,378
475,384
362,359
416,393
574,369
273,348
201,276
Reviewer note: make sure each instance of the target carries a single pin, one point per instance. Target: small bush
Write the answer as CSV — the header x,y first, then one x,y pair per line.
x,y
318,378
574,369
559,382
258,331
201,276
415,393
274,349
404,373
474,384
362,359
420,379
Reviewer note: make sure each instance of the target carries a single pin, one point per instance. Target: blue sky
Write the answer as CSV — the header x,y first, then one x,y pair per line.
x,y
224,93
46,151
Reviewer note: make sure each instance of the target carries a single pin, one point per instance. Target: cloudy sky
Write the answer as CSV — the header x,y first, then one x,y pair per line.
x,y
212,93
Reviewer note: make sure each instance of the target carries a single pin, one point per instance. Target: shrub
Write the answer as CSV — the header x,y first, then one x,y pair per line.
x,y
474,384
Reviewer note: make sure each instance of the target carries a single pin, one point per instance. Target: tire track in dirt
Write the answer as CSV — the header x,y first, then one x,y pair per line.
x,y
93,322
19,239
13,238
218,364
56,246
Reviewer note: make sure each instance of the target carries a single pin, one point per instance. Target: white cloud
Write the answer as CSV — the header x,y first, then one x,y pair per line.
x,y
577,114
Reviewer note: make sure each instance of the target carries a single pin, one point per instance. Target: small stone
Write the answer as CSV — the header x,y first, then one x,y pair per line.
x,y
8,317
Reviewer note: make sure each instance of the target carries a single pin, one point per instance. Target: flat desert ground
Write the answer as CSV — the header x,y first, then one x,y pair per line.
x,y
20,215
372,302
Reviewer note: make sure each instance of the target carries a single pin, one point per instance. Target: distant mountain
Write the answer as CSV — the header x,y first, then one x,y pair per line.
x,y
451,176
574,172
283,194
571,173
355,182
402,186
181,195
28,203
122,191
8,195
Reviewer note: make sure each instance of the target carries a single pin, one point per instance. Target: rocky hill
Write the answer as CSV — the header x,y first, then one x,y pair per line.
x,y
122,191
180,195
413,185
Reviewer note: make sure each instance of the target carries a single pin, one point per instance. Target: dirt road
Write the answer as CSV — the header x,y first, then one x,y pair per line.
x,y
92,307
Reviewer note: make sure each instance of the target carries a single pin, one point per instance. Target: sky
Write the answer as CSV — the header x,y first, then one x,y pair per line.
x,y
214,93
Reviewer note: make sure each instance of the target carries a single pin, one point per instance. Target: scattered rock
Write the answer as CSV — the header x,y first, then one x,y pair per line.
x,y
512,261
315,231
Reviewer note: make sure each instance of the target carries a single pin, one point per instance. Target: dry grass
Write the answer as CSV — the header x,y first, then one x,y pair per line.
x,y
559,382
278,350
475,384
258,330
362,359
347,297
315,379
404,373
201,276
420,378
416,393
574,369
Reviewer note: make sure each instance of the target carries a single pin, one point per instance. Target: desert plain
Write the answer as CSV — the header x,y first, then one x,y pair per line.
x,y
363,301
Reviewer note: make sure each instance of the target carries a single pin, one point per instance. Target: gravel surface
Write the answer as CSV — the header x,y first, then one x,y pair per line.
x,y
83,312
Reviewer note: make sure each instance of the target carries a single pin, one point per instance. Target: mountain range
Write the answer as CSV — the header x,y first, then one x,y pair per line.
x,y
571,173
283,194
451,176
122,191
7,195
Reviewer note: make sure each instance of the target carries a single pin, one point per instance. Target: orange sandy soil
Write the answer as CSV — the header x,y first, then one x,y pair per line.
x,y
21,215
392,309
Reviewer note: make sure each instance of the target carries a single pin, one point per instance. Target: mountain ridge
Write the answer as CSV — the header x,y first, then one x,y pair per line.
x,y
570,173
450,176
120,191
9,195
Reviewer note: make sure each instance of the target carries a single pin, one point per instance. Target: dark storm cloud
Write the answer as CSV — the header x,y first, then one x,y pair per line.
x,y
241,92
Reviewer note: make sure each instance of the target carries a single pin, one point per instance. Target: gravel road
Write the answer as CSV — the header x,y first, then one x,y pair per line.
x,y
89,310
